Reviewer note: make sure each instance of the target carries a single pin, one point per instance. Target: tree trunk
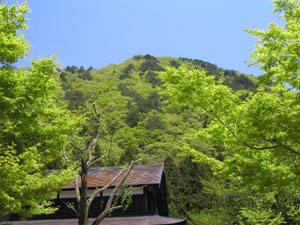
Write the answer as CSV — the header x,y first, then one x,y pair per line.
x,y
83,209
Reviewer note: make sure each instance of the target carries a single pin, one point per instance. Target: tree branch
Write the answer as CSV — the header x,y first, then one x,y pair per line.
x,y
102,216
91,148
96,160
91,137
108,209
212,112
237,137
283,146
94,136
290,149
244,142
76,147
97,191
70,206
65,155
96,112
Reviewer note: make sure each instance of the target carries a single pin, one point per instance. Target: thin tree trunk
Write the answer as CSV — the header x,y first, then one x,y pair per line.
x,y
83,209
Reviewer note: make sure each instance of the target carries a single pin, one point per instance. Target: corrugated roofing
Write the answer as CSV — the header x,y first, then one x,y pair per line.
x,y
139,220
139,175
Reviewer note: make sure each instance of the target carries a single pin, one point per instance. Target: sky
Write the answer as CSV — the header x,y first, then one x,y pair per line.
x,y
101,32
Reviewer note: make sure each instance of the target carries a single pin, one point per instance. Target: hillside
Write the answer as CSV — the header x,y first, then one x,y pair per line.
x,y
140,121
138,117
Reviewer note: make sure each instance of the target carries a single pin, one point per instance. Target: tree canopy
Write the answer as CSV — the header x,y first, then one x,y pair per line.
x,y
34,123
261,130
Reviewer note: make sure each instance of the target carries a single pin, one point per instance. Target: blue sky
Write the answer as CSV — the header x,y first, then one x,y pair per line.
x,y
100,32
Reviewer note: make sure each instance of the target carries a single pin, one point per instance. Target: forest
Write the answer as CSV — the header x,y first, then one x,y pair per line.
x,y
229,141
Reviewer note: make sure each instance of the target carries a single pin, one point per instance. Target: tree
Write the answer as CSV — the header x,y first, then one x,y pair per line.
x,y
261,131
83,157
34,123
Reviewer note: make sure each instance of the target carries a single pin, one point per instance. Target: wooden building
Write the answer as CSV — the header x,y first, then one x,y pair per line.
x,y
149,198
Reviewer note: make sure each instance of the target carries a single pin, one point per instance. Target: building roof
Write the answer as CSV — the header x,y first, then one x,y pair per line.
x,y
138,220
139,175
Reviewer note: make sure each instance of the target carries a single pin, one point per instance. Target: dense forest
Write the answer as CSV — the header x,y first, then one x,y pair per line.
x,y
140,121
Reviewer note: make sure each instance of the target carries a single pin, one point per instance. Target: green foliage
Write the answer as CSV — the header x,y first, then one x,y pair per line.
x,y
14,46
260,129
71,69
174,64
199,64
262,212
247,127
34,124
151,65
152,78
183,196
126,72
276,52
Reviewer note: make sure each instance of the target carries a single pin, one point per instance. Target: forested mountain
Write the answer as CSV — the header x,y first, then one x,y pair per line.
x,y
139,120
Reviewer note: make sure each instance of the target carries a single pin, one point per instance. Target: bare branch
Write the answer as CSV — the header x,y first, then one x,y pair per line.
x,y
90,143
103,215
92,136
108,209
95,161
95,141
114,208
99,190
92,146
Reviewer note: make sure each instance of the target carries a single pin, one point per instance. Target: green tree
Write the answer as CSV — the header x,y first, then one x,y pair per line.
x,y
82,155
34,124
262,131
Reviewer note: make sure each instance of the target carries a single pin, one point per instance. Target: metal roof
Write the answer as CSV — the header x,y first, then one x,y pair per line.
x,y
139,175
138,220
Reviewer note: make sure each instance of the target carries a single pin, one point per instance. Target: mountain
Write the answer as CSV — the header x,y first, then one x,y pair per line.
x,y
138,120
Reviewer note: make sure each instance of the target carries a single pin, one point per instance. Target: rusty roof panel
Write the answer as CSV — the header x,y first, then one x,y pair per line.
x,y
139,175
139,220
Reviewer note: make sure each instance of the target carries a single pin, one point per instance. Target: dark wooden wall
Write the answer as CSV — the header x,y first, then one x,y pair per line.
x,y
152,202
